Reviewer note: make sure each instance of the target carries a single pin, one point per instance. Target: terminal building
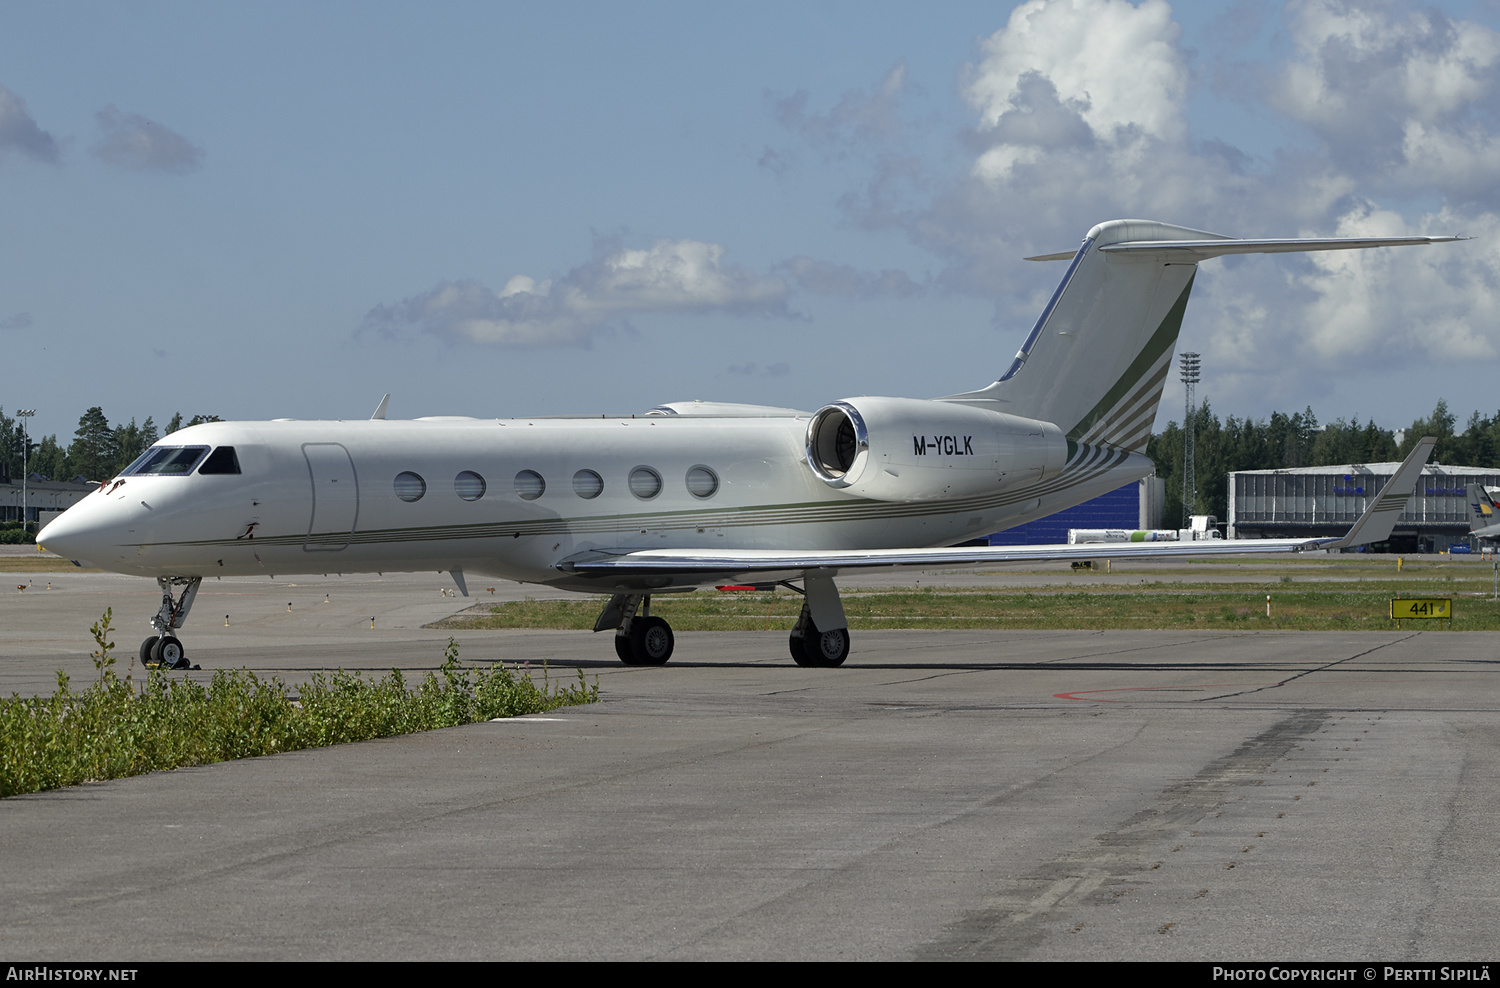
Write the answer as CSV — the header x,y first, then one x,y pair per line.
x,y
1325,501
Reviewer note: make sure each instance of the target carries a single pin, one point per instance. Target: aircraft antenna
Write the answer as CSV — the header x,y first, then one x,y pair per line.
x,y
1190,376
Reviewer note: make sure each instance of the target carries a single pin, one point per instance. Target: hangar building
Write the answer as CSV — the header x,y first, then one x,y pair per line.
x,y
1318,501
42,497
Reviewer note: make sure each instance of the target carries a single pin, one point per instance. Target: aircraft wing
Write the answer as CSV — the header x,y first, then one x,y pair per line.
x,y
700,565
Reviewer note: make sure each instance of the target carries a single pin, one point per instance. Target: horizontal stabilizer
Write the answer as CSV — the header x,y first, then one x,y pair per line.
x,y
1203,249
1218,247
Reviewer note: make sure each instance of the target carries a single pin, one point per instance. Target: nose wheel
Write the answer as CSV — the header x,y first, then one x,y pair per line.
x,y
164,649
165,652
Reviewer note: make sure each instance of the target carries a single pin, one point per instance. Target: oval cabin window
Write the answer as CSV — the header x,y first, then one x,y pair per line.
x,y
702,482
469,485
587,484
530,485
410,487
645,483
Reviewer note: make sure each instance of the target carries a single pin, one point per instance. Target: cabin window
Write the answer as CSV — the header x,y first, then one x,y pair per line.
x,y
530,485
469,485
587,484
174,461
702,482
645,483
221,460
410,487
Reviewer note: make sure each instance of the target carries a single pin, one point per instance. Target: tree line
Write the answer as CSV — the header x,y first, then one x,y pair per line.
x,y
1297,440
98,450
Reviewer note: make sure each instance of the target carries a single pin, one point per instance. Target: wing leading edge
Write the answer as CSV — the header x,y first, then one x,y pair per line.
x,y
694,566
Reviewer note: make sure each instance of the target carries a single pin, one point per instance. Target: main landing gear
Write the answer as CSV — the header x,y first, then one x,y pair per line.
x,y
819,639
164,649
640,639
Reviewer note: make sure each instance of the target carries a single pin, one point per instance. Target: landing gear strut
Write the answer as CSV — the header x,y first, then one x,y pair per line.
x,y
820,638
164,648
640,639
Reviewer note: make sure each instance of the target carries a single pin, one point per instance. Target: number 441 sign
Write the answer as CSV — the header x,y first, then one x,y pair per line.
x,y
1419,608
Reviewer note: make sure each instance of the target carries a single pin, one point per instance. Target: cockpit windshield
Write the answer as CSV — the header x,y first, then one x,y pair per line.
x,y
174,461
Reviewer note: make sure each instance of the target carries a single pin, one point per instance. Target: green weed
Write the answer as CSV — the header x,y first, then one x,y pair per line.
x,y
113,730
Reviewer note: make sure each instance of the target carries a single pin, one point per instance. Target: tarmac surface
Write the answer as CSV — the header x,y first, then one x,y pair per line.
x,y
946,794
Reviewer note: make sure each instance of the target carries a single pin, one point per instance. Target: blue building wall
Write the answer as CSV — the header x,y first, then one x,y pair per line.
x,y
1120,508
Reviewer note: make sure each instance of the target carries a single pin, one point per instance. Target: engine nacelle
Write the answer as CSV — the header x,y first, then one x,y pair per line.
x,y
907,449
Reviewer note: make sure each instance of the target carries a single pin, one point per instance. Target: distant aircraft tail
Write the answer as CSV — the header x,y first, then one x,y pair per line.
x,y
1483,514
1098,357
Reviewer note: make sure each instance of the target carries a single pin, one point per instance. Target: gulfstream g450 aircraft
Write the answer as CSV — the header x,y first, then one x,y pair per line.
x,y
696,494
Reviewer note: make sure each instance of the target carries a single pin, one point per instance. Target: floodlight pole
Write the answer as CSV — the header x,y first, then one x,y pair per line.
x,y
23,414
1189,365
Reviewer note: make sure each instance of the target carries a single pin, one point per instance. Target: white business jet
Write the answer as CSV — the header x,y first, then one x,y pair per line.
x,y
696,494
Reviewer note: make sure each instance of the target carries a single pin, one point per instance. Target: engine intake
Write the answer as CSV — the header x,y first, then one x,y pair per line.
x,y
906,449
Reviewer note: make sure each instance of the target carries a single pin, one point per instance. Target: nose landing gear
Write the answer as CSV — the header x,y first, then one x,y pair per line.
x,y
164,649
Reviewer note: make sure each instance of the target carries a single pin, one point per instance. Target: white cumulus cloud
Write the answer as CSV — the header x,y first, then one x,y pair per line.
x,y
133,141
1080,115
1107,65
1402,101
669,276
19,132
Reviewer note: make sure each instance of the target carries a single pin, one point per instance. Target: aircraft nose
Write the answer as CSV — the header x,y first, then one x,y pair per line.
x,y
78,533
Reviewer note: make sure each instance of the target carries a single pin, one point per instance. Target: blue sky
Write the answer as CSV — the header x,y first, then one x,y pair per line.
x,y
502,209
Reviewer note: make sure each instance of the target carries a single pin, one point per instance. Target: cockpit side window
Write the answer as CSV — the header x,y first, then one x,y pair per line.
x,y
221,460
172,461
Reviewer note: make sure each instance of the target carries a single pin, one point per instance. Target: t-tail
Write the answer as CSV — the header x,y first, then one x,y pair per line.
x,y
1098,357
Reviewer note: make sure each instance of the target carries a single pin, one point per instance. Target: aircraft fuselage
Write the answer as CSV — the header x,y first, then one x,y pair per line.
x,y
511,498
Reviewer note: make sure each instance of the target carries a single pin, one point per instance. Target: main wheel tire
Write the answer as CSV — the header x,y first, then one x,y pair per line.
x,y
169,652
146,647
799,654
651,641
622,649
820,649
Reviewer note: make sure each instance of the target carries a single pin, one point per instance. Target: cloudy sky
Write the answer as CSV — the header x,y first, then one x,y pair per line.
x,y
289,209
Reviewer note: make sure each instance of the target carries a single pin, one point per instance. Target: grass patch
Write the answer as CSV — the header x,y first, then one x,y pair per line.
x,y
118,727
40,563
1158,606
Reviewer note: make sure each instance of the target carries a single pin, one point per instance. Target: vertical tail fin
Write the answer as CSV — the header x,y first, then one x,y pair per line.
x,y
1484,516
1098,357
